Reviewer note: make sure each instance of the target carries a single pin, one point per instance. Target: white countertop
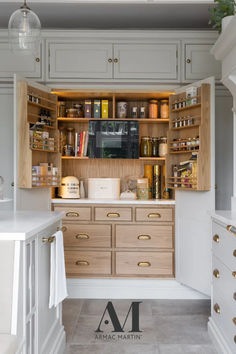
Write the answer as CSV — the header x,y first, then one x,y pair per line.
x,y
21,225
227,217
113,201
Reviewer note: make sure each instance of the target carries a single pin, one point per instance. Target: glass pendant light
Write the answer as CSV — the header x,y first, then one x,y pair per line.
x,y
24,29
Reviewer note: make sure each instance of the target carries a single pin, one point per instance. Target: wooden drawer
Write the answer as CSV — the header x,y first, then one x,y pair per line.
x,y
224,246
78,235
142,236
75,213
117,214
154,214
87,262
145,263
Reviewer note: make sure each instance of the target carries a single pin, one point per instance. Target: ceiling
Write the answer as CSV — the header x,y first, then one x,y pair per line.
x,y
114,16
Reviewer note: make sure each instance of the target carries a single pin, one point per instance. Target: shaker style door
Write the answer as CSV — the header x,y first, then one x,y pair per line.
x,y
146,61
75,61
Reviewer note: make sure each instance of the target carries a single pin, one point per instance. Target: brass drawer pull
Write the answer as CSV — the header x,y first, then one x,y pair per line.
x,y
82,237
50,239
234,339
234,253
144,264
216,273
63,229
229,228
113,215
217,308
82,263
116,60
234,320
234,296
234,274
154,215
216,238
72,214
144,237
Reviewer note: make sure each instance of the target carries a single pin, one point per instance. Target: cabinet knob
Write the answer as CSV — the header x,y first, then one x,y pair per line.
x,y
63,229
154,215
234,320
234,274
82,263
82,237
230,229
50,239
37,60
72,214
109,60
216,273
188,61
216,308
144,237
234,253
144,264
216,238
113,215
116,60
234,296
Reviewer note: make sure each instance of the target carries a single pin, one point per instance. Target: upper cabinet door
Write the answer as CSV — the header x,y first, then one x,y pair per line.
x,y
146,61
75,61
200,63
25,65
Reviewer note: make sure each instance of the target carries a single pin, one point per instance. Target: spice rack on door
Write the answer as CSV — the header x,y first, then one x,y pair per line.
x,y
188,135
38,139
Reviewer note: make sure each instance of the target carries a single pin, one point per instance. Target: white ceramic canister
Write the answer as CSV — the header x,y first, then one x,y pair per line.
x,y
122,109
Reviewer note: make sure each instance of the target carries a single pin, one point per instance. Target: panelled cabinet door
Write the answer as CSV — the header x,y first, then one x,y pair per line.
x,y
26,65
80,61
146,61
200,63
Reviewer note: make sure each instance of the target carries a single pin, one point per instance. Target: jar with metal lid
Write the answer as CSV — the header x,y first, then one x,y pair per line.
x,y
155,147
62,109
146,146
163,147
153,109
80,110
72,113
164,109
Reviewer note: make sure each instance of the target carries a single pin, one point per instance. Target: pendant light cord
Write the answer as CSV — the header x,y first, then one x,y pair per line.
x,y
25,6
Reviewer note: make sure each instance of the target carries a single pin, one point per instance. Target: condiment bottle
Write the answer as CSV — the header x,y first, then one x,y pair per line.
x,y
155,147
146,146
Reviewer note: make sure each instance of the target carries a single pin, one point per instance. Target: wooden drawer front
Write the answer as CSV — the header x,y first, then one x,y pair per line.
x,y
224,317
144,263
78,235
224,246
153,214
75,213
224,282
87,262
117,214
144,236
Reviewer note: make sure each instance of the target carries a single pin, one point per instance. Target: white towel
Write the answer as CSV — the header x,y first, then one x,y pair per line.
x,y
58,288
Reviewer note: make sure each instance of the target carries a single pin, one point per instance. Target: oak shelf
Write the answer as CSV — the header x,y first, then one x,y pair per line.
x,y
86,120
186,107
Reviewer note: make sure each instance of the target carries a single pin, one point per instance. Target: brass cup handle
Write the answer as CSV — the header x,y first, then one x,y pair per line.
x,y
82,263
144,237
234,296
144,264
216,273
217,308
50,239
63,229
109,60
216,238
234,320
154,215
229,228
113,215
234,274
82,237
116,60
37,60
234,253
188,61
72,214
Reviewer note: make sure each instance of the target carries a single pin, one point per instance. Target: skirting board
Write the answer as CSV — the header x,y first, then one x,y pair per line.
x,y
130,289
217,338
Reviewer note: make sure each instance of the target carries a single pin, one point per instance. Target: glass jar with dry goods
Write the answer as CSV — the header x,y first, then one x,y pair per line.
x,y
155,147
80,110
163,147
146,146
62,134
164,109
72,113
70,142
62,109
153,109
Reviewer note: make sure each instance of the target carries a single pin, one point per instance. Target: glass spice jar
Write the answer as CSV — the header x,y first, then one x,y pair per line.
x,y
155,147
153,109
164,109
163,147
146,146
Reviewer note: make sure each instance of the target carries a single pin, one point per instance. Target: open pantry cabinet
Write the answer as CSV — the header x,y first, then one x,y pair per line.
x,y
194,198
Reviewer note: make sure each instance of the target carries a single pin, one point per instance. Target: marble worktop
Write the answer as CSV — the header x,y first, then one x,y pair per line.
x,y
114,201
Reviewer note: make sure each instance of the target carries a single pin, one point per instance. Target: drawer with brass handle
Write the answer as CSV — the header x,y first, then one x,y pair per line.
x,y
111,213
74,213
144,263
87,262
87,235
154,214
224,244
142,236
216,238
216,273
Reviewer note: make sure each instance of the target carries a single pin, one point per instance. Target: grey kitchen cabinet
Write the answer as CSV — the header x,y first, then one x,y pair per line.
x,y
199,63
25,65
158,61
73,60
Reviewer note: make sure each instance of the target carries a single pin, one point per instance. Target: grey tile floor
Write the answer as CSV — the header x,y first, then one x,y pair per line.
x,y
168,327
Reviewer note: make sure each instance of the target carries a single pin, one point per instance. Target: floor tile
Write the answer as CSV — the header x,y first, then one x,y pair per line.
x,y
180,307
186,349
113,348
70,313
